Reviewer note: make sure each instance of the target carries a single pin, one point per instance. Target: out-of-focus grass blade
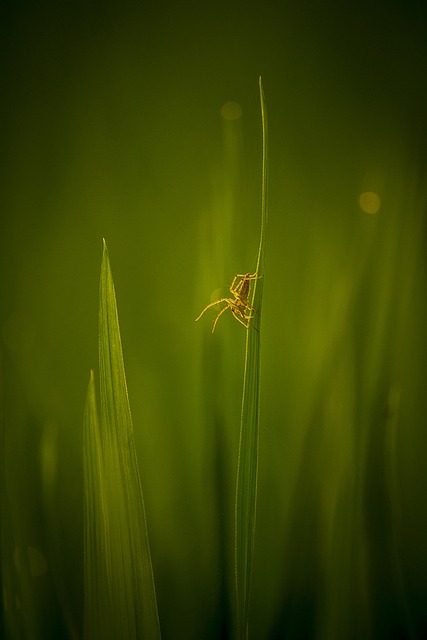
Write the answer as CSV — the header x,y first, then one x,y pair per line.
x,y
247,472
120,599
95,584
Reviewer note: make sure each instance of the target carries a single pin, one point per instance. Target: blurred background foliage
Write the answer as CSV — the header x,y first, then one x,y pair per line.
x,y
140,122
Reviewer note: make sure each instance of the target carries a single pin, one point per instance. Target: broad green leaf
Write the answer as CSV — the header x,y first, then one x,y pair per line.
x,y
120,600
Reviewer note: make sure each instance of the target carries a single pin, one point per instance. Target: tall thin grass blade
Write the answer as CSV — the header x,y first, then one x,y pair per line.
x,y
247,472
120,599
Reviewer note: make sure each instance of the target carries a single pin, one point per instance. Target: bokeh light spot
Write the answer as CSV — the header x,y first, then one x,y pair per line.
x,y
231,111
369,202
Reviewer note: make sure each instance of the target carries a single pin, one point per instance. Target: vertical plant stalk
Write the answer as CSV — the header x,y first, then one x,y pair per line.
x,y
120,598
247,468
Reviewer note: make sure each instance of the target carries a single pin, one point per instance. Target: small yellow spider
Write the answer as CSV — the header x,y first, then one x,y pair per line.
x,y
239,305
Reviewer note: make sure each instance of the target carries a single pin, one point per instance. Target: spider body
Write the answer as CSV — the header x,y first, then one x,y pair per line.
x,y
239,305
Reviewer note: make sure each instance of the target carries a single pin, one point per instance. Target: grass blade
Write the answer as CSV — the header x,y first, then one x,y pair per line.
x,y
247,471
120,600
95,583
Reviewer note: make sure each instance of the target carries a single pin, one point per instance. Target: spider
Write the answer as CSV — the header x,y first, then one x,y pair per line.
x,y
239,305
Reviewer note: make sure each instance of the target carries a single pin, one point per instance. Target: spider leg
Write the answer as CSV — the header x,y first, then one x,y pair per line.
x,y
220,313
246,317
236,313
242,304
212,304
239,305
247,324
244,277
241,277
232,288
249,306
248,276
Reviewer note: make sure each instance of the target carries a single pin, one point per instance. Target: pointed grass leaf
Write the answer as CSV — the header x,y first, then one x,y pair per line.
x,y
247,471
120,599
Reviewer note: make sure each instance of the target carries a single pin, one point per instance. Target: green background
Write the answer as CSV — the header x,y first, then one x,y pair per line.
x,y
113,125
